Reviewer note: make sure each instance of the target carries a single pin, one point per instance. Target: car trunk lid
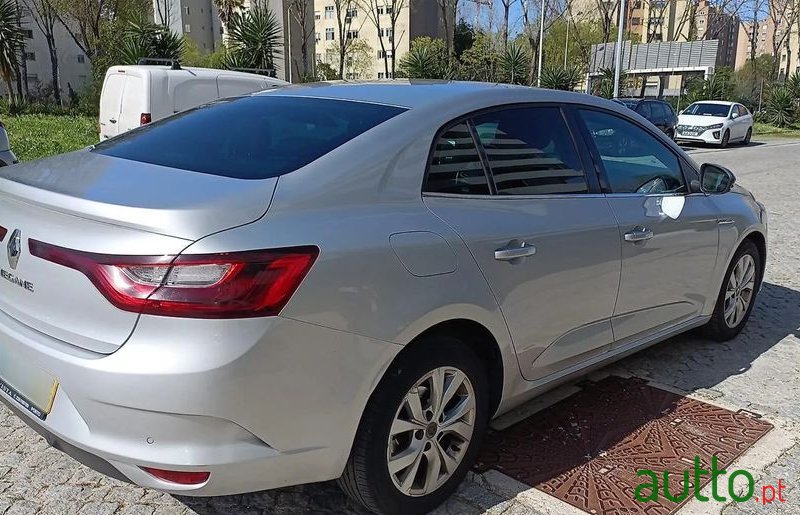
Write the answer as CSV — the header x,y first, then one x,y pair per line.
x,y
105,205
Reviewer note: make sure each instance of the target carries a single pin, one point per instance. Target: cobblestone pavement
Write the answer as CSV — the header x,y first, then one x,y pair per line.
x,y
758,371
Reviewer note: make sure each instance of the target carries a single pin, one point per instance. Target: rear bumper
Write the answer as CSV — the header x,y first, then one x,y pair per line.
x,y
261,404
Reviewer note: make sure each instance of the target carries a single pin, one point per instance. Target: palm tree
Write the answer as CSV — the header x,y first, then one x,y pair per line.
x,y
143,38
255,39
10,43
227,10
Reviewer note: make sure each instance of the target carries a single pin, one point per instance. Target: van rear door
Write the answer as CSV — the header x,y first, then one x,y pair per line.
x,y
135,102
111,104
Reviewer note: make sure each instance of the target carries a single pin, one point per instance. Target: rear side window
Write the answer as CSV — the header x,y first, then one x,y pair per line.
x,y
645,109
659,112
249,137
531,152
455,165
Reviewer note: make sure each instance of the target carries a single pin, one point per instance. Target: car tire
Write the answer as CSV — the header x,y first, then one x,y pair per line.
x,y
726,137
737,286
367,477
748,137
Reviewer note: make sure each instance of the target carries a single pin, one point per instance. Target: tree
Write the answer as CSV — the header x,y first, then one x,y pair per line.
x,y
480,62
345,11
782,13
10,43
448,10
506,11
143,38
255,39
44,15
427,58
374,10
514,63
227,9
553,9
302,11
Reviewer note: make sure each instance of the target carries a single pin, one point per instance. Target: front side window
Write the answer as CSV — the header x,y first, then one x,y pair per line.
x,y
252,137
531,152
455,164
645,110
634,160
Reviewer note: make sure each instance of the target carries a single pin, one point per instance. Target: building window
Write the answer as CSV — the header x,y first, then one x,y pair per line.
x,y
328,12
30,56
352,34
81,59
187,9
27,33
380,75
187,28
352,13
32,77
389,9
380,10
329,35
317,36
386,33
317,15
351,76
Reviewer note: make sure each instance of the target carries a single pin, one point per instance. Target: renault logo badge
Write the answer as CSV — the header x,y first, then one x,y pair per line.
x,y
14,248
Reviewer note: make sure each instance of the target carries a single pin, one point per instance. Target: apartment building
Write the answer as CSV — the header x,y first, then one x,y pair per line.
x,y
199,20
195,19
763,36
367,58
73,65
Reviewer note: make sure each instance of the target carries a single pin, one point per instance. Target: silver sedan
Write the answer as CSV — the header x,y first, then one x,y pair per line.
x,y
350,280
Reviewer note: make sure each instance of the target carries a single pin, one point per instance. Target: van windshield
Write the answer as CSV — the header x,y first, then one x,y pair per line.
x,y
252,137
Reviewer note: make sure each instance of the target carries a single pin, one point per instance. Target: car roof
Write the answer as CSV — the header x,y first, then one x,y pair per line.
x,y
189,70
414,93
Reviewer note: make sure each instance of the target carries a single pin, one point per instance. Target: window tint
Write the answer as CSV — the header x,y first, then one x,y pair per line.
x,y
645,109
634,160
530,152
743,111
249,137
455,165
659,112
708,109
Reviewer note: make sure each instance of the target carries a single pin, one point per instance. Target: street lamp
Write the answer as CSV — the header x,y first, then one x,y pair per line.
x,y
618,50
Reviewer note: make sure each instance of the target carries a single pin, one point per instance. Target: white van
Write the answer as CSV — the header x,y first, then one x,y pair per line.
x,y
136,95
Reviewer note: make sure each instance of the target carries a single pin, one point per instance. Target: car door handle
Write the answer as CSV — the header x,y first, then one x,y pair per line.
x,y
638,234
112,120
514,250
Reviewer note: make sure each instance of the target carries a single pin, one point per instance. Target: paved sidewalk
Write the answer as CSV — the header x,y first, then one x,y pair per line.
x,y
758,371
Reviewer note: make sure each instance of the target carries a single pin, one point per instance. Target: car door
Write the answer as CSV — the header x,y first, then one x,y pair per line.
x,y
645,110
745,118
669,236
542,233
738,124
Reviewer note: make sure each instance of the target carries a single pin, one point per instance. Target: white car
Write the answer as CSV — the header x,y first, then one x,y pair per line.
x,y
715,122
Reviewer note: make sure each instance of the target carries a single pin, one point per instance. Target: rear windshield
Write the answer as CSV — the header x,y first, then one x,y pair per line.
x,y
253,137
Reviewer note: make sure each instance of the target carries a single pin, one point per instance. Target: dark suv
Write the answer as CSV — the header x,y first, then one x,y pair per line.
x,y
657,112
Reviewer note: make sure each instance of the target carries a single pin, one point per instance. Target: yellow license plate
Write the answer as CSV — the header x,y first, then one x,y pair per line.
x,y
31,387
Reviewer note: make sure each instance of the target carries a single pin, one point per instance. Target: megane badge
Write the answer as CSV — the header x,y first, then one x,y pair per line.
x,y
14,248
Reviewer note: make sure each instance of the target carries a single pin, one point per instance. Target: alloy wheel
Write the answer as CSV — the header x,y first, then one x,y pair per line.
x,y
740,290
431,431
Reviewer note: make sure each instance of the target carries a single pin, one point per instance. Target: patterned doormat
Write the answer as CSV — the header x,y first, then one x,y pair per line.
x,y
586,449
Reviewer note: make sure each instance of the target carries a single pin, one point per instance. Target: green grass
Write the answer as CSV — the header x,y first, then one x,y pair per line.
x,y
34,136
765,129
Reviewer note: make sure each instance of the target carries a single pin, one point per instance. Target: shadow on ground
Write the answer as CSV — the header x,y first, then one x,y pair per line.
x,y
702,365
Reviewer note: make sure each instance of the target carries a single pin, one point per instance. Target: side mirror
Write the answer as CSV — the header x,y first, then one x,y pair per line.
x,y
734,115
716,179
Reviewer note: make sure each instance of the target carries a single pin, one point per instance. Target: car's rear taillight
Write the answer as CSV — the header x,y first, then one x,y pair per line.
x,y
227,285
145,118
